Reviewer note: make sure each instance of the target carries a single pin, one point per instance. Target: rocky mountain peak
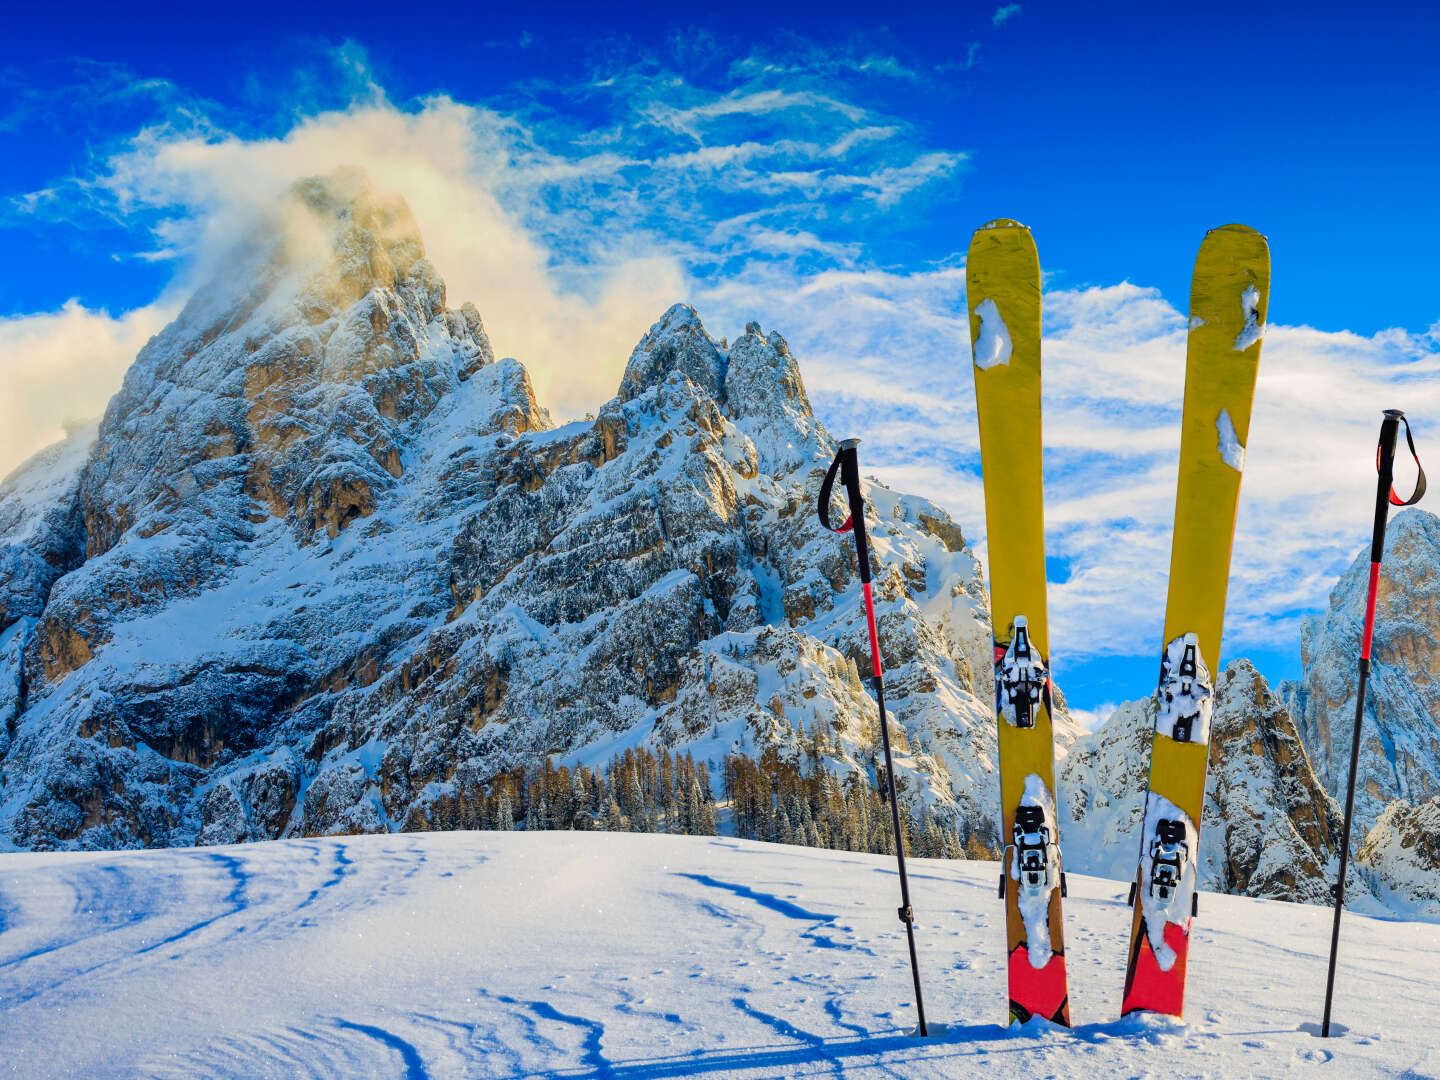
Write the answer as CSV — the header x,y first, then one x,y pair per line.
x,y
366,239
754,382
678,343
1400,857
293,390
340,573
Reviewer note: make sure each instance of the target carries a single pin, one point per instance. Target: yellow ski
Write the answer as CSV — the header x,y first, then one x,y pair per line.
x,y
1229,298
1003,289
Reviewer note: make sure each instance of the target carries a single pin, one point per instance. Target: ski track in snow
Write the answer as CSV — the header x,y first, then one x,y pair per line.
x,y
631,957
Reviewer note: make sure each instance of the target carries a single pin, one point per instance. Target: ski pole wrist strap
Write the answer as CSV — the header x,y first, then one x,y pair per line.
x,y
1419,491
827,488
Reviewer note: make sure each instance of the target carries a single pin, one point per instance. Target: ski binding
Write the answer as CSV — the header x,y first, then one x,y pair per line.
x,y
1185,696
1168,854
1020,678
1032,850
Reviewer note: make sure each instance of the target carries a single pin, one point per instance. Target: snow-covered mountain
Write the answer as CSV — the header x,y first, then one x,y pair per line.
x,y
329,566
1397,790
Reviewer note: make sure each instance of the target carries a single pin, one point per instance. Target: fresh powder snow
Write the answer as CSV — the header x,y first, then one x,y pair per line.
x,y
639,957
993,346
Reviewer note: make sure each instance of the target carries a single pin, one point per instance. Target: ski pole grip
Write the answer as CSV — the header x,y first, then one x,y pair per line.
x,y
847,467
1385,468
850,477
1419,492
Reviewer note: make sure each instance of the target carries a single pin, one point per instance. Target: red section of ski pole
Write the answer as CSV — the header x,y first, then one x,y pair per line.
x,y
1370,611
874,637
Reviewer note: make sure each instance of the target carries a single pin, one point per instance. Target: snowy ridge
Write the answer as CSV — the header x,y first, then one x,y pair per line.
x,y
1400,858
41,534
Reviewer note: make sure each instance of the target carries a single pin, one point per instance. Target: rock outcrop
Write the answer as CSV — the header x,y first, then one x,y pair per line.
x,y
1400,858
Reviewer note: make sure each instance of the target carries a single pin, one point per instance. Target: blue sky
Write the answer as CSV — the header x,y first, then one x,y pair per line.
x,y
822,173
1119,135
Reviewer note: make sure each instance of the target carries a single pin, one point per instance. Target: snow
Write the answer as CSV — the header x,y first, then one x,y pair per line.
x,y
44,480
625,956
1231,451
1254,329
993,346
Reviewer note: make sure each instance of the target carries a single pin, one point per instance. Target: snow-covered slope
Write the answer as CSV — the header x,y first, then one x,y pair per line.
x,y
42,535
608,955
1401,858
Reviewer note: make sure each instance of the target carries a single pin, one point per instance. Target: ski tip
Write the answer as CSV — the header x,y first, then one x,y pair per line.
x,y
1002,223
1236,229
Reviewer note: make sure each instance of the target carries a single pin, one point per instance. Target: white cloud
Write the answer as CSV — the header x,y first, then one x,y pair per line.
x,y
1090,719
1002,14
60,368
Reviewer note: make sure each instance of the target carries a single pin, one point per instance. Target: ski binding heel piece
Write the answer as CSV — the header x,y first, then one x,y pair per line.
x,y
1168,854
1020,678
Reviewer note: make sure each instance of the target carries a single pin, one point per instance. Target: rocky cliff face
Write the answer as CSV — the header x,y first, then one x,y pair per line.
x,y
1269,829
1400,858
329,564
1400,735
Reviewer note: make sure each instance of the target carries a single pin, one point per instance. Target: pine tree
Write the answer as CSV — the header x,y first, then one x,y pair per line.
x,y
611,818
504,815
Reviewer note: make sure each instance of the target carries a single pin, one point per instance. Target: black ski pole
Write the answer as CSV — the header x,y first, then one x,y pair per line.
x,y
848,466
1385,497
